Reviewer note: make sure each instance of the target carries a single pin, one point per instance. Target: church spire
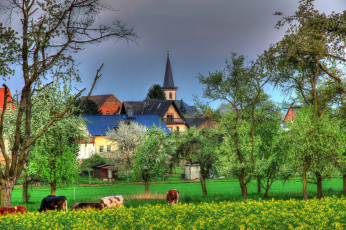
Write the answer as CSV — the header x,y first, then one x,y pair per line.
x,y
168,81
168,84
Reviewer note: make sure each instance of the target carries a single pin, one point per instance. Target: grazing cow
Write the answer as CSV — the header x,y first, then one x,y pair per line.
x,y
52,203
10,210
82,205
172,196
112,201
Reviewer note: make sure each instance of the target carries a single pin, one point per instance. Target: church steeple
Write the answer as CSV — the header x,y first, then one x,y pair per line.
x,y
168,84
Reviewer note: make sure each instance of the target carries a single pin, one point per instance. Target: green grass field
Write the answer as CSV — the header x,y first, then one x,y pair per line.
x,y
190,192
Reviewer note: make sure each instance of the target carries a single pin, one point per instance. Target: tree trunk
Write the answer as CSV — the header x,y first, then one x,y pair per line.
x,y
269,184
319,186
242,184
146,183
259,185
204,187
344,183
89,177
25,190
305,183
53,189
6,192
243,191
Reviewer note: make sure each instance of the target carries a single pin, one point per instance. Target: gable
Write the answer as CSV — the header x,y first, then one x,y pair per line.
x,y
172,111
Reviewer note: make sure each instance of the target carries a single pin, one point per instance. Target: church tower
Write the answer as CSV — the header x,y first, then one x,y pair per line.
x,y
168,84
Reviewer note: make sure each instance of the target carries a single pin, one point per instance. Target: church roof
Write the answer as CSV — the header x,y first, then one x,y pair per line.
x,y
168,81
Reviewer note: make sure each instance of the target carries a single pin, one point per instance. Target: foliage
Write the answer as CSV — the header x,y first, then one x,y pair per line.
x,y
241,87
51,31
292,214
151,157
313,40
92,160
270,157
126,137
182,107
88,107
200,146
53,157
155,92
313,145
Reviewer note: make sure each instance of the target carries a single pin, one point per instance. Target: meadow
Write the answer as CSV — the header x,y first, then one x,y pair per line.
x,y
190,192
222,208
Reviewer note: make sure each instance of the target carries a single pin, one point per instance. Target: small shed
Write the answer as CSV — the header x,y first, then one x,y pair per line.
x,y
192,171
105,171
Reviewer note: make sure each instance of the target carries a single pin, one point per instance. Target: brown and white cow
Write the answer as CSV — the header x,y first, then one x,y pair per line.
x,y
172,196
82,205
10,210
112,201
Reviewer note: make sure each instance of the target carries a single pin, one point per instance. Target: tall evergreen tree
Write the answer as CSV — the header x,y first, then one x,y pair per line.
x,y
156,92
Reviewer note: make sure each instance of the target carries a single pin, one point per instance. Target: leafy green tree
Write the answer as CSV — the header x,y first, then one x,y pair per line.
x,y
312,40
270,156
201,146
92,160
313,145
155,92
125,138
151,157
88,107
51,31
242,88
53,157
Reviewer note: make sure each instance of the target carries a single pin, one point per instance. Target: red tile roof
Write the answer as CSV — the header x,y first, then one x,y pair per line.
x,y
9,98
108,104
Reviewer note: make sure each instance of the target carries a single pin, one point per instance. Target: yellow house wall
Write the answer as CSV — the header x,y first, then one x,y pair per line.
x,y
182,127
102,141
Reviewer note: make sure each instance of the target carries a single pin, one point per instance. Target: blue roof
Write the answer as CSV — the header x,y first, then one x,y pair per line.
x,y
98,125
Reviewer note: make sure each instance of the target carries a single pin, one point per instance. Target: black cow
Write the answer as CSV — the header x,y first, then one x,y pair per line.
x,y
51,202
82,205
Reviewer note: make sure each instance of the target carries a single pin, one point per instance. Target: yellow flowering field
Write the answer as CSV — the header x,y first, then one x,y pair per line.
x,y
329,213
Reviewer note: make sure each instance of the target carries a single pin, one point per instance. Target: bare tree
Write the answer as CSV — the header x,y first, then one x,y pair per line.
x,y
50,32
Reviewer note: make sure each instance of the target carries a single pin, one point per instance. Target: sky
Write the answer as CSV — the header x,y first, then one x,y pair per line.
x,y
199,34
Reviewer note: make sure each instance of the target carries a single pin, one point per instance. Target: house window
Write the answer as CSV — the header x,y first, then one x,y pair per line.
x,y
170,117
170,95
101,149
109,148
178,129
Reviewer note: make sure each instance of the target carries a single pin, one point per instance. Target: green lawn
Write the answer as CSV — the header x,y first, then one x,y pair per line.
x,y
190,192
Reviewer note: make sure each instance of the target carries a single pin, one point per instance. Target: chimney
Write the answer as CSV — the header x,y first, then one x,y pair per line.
x,y
129,114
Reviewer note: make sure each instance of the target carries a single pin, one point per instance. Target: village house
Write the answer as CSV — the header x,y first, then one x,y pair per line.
x,y
99,125
168,112
108,104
